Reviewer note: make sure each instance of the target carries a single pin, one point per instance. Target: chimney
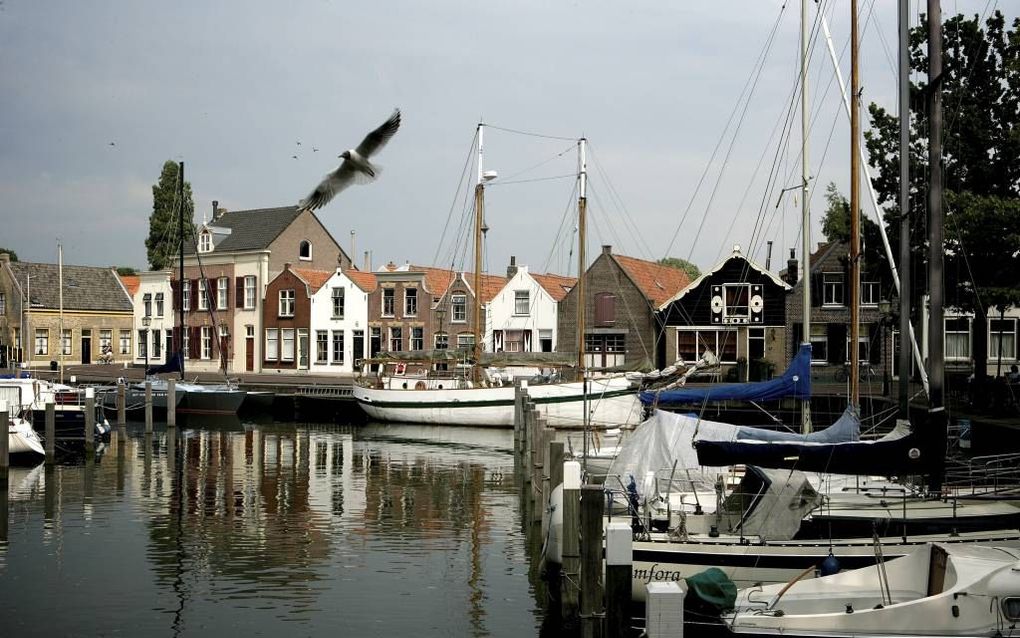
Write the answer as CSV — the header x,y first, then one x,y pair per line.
x,y
215,209
768,256
287,266
5,258
368,261
511,270
607,249
791,269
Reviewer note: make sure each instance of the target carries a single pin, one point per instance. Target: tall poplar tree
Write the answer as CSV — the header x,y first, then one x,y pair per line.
x,y
163,242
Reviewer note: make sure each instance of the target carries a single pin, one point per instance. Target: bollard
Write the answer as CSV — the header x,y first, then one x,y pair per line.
x,y
619,567
121,404
148,406
571,533
171,403
90,421
5,442
51,433
592,605
664,615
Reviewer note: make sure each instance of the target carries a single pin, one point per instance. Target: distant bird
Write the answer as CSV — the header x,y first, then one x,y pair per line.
x,y
315,150
113,143
293,156
356,167
299,142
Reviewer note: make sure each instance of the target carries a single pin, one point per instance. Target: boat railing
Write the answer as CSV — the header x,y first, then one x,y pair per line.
x,y
983,475
334,391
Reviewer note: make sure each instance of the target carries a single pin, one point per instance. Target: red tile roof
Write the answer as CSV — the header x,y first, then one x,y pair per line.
x,y
659,283
556,285
364,280
437,280
314,278
131,282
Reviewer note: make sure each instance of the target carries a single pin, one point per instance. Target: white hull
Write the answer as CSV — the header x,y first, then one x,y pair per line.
x,y
612,403
22,439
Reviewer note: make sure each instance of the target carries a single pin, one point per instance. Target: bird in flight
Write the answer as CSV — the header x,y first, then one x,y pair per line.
x,y
355,168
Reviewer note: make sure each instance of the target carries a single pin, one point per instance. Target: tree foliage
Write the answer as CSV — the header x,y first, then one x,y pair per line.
x,y
14,255
126,270
692,270
164,237
836,228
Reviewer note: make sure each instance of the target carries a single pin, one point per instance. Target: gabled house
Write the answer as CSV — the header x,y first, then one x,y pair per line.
x,y
522,316
153,317
622,295
736,309
339,319
96,313
287,318
225,276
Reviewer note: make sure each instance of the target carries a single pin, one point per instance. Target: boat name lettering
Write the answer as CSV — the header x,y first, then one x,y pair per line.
x,y
657,574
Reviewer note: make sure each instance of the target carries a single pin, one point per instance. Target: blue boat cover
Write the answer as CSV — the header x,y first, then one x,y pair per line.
x,y
794,383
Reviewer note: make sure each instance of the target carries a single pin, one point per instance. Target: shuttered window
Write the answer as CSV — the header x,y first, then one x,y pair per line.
x,y
605,309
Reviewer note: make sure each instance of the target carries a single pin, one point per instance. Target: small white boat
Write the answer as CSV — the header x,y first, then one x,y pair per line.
x,y
22,439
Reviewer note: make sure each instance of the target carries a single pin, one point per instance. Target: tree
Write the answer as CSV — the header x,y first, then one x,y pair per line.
x,y
14,255
163,242
980,88
126,270
682,264
836,228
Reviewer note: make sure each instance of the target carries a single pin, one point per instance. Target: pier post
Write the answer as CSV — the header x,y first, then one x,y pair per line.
x,y
571,539
5,442
545,470
90,421
121,404
51,433
148,406
592,604
664,616
171,403
619,567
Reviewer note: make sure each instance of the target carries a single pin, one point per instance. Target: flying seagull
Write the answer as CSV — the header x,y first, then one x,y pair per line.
x,y
356,167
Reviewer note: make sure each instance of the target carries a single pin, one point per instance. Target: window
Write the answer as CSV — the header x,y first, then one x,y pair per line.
x,y
819,343
832,289
205,242
736,298
287,303
522,302
545,340
105,340
417,339
143,345
65,341
387,302
1002,331
272,344
305,250
957,334
605,309
396,339
411,302
125,342
321,346
186,296
459,302
42,341
159,304
249,292
863,345
221,293
442,341
755,343
17,337
692,344
203,294
187,344
287,345
147,303
3,304
614,343
338,303
157,342
465,341
206,342
870,293
338,347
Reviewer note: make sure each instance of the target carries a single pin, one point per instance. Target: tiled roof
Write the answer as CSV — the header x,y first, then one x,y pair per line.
x,y
131,282
656,281
314,278
556,285
85,287
251,229
437,280
364,280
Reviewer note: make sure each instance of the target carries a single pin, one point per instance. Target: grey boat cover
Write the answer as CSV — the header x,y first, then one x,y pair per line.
x,y
770,504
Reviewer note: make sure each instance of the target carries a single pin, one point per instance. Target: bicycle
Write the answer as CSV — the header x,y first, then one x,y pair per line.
x,y
864,373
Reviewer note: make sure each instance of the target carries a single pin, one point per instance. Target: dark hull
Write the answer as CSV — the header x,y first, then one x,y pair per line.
x,y
211,402
69,422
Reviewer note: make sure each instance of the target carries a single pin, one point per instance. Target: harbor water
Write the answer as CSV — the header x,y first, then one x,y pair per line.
x,y
229,528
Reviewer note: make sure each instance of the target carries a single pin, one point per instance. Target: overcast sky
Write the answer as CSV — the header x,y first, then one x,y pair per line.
x,y
97,95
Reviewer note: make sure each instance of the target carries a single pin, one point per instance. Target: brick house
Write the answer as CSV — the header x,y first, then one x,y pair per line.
x,y
226,273
96,313
287,318
622,295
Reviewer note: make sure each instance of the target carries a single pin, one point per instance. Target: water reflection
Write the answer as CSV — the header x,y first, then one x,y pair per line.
x,y
379,529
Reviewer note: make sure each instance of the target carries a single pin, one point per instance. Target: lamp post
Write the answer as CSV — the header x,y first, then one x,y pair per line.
x,y
146,321
884,307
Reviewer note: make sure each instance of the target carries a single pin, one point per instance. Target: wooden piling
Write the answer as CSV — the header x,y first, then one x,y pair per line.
x,y
148,406
542,471
592,604
664,615
171,403
556,451
571,539
90,421
121,404
51,433
5,442
619,568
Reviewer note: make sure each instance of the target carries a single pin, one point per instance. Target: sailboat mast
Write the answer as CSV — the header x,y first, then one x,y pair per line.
x,y
855,211
905,344
805,208
180,255
582,221
479,219
60,286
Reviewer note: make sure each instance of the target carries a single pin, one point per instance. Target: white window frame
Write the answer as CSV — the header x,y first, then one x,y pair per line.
x,y
65,341
946,333
287,343
737,311
205,244
125,342
871,293
286,303
819,335
42,341
206,342
441,341
336,344
465,340
396,339
186,295
416,339
701,344
338,298
203,294
322,344
272,344
222,285
3,304
147,304
159,304
833,282
410,298
519,297
993,350
389,294
301,246
249,292
458,308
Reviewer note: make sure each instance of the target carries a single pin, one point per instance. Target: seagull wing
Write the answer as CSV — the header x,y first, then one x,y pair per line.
x,y
377,139
327,189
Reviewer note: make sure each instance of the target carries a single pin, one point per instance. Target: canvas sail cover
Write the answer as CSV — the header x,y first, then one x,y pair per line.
x,y
770,504
794,383
173,364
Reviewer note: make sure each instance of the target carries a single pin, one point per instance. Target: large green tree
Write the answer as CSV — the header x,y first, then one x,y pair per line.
x,y
163,242
14,255
980,88
679,263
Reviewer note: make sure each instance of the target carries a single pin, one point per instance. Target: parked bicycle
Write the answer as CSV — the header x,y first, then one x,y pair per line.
x,y
864,373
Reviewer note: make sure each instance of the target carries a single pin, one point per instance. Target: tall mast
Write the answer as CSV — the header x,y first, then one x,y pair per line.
x,y
479,220
937,410
60,286
28,316
805,209
905,342
180,254
855,210
582,220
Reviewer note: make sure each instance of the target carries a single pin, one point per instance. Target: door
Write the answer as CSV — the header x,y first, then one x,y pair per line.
x,y
303,349
357,348
86,346
249,348
374,345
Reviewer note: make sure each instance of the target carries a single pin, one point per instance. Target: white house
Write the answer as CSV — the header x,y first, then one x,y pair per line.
x,y
153,318
1001,342
339,320
522,316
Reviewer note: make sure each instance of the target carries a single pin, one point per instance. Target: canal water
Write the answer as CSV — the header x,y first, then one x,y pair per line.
x,y
272,530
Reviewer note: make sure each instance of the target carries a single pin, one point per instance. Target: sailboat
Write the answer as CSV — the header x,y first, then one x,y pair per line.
x,y
597,402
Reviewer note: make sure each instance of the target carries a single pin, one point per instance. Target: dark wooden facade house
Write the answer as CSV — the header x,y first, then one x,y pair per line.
x,y
287,318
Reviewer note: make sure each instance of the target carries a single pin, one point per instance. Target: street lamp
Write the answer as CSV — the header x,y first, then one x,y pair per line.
x,y
145,343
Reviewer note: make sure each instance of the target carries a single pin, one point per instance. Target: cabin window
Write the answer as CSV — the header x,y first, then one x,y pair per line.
x,y
957,337
1002,331
338,347
417,338
737,298
205,244
305,250
522,302
1011,609
832,289
605,309
387,302
338,303
249,292
321,346
411,302
396,339
287,303
442,341
459,302
221,293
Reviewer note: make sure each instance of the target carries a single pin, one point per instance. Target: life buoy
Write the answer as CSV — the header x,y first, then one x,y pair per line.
x,y
401,368
419,386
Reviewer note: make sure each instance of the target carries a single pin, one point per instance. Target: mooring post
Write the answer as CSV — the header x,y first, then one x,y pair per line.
x,y
619,567
545,471
5,452
51,432
121,404
664,616
592,605
571,539
555,465
148,406
171,403
90,421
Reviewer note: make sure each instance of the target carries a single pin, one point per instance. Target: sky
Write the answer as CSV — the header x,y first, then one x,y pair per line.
x,y
97,95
